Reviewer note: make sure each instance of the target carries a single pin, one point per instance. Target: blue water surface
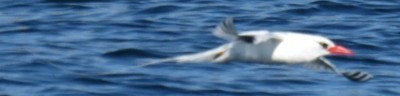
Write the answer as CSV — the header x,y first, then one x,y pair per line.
x,y
88,47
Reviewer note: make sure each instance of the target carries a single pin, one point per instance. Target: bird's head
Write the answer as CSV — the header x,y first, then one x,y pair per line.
x,y
331,48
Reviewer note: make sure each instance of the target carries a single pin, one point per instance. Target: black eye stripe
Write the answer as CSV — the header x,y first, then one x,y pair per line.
x,y
324,45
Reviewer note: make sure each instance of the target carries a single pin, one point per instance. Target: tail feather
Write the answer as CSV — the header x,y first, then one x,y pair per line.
x,y
215,55
155,62
224,30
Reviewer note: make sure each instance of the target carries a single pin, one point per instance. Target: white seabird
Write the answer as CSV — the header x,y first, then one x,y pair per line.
x,y
267,47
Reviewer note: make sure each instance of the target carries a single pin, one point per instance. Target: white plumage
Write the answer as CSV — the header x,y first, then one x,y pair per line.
x,y
267,47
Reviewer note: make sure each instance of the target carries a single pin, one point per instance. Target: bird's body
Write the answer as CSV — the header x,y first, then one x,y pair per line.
x,y
267,47
280,47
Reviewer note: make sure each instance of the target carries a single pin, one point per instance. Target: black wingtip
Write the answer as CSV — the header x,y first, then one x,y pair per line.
x,y
358,76
247,39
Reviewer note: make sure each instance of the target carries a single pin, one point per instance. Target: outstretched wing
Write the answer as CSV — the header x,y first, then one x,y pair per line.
x,y
322,63
357,76
226,30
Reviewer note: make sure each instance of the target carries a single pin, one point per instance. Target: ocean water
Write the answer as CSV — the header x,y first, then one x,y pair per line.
x,y
88,47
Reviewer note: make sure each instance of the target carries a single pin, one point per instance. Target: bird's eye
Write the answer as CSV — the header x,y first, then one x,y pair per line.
x,y
324,45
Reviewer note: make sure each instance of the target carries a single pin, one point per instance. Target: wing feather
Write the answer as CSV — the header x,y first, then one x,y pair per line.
x,y
226,30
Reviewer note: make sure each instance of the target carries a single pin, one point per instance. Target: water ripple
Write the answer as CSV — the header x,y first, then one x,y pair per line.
x,y
88,47
133,52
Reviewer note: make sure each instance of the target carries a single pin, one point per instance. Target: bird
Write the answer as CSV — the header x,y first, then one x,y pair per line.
x,y
272,47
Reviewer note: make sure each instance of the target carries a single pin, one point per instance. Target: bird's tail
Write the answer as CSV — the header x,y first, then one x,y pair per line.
x,y
225,30
218,54
153,62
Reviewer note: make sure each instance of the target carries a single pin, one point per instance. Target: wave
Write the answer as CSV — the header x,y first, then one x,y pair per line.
x,y
134,52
